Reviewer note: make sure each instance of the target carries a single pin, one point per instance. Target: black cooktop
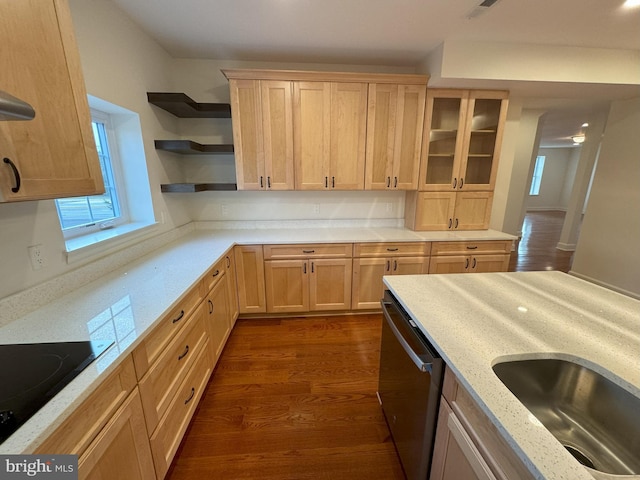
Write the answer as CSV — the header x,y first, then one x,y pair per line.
x,y
31,374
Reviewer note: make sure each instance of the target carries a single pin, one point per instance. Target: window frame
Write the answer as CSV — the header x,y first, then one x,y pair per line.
x,y
115,164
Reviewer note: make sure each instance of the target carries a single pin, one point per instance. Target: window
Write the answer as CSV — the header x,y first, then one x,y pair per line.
x,y
537,175
91,225
80,215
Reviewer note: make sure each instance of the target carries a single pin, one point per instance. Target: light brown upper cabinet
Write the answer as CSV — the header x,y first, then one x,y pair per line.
x,y
462,138
261,112
394,136
448,210
329,127
307,130
53,155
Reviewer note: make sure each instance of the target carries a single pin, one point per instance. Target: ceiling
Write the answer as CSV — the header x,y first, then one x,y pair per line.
x,y
398,33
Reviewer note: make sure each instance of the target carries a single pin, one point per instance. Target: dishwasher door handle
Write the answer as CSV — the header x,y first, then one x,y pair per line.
x,y
415,358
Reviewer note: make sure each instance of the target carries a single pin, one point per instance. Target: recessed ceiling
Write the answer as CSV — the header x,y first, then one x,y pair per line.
x,y
396,33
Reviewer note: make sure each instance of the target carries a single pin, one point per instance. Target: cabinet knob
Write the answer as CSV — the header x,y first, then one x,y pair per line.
x,y
16,174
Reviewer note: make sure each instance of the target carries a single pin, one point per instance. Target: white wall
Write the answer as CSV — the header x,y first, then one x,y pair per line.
x,y
556,180
120,63
607,250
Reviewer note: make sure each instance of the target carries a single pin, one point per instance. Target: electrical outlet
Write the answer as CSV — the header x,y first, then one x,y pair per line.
x,y
388,207
316,208
224,209
37,257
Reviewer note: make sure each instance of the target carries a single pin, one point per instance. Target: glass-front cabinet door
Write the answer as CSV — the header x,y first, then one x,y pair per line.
x,y
486,114
443,142
462,137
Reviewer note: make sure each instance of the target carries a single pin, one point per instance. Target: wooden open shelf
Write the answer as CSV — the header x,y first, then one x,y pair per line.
x,y
188,147
182,106
196,187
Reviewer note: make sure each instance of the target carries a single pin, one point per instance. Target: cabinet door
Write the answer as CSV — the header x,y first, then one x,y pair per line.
x,y
409,265
430,210
381,134
287,285
486,114
449,264
368,288
121,450
250,279
246,117
311,130
230,266
277,123
54,155
218,317
490,263
330,284
455,456
408,136
348,135
472,211
443,139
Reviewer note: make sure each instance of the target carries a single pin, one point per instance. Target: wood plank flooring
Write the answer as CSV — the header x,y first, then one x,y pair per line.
x,y
537,248
293,399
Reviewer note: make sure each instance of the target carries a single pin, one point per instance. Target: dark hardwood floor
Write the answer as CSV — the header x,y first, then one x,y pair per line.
x,y
292,399
537,248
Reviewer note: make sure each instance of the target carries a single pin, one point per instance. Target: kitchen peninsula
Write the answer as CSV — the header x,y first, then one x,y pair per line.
x,y
477,321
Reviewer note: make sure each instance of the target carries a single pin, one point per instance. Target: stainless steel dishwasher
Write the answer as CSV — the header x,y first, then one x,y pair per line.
x,y
409,387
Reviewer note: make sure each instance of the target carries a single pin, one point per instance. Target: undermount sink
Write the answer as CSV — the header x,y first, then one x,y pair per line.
x,y
597,421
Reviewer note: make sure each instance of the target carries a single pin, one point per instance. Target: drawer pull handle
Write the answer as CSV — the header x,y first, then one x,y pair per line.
x,y
210,306
456,223
395,265
474,263
216,273
388,182
466,265
261,183
388,265
308,251
472,248
193,392
16,174
392,249
179,317
184,354
450,222
228,261
455,183
395,182
461,182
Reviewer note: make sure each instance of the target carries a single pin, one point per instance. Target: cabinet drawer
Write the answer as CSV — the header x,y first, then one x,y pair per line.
x,y
75,434
159,385
214,275
151,347
466,248
391,249
166,439
325,250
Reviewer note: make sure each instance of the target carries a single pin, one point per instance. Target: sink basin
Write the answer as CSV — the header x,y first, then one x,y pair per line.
x,y
597,421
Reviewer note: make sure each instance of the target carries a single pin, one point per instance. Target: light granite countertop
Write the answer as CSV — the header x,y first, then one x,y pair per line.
x,y
123,305
478,320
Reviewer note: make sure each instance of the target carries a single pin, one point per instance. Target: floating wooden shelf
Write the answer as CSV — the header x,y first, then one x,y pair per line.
x,y
196,187
182,106
187,147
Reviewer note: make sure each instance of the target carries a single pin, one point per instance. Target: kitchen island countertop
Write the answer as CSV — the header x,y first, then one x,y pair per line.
x,y
478,320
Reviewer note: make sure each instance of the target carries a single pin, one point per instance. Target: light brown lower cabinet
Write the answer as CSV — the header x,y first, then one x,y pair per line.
x,y
319,284
121,450
249,262
219,320
470,257
374,260
165,440
467,445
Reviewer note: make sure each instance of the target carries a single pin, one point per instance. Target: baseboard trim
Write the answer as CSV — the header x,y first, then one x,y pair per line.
x,y
605,285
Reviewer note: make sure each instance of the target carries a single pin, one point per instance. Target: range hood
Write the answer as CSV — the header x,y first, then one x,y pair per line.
x,y
12,108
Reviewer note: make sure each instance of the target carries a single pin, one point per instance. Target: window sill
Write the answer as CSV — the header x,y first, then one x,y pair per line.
x,y
105,241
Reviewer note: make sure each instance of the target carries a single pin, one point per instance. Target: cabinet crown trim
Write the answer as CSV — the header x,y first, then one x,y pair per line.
x,y
318,76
